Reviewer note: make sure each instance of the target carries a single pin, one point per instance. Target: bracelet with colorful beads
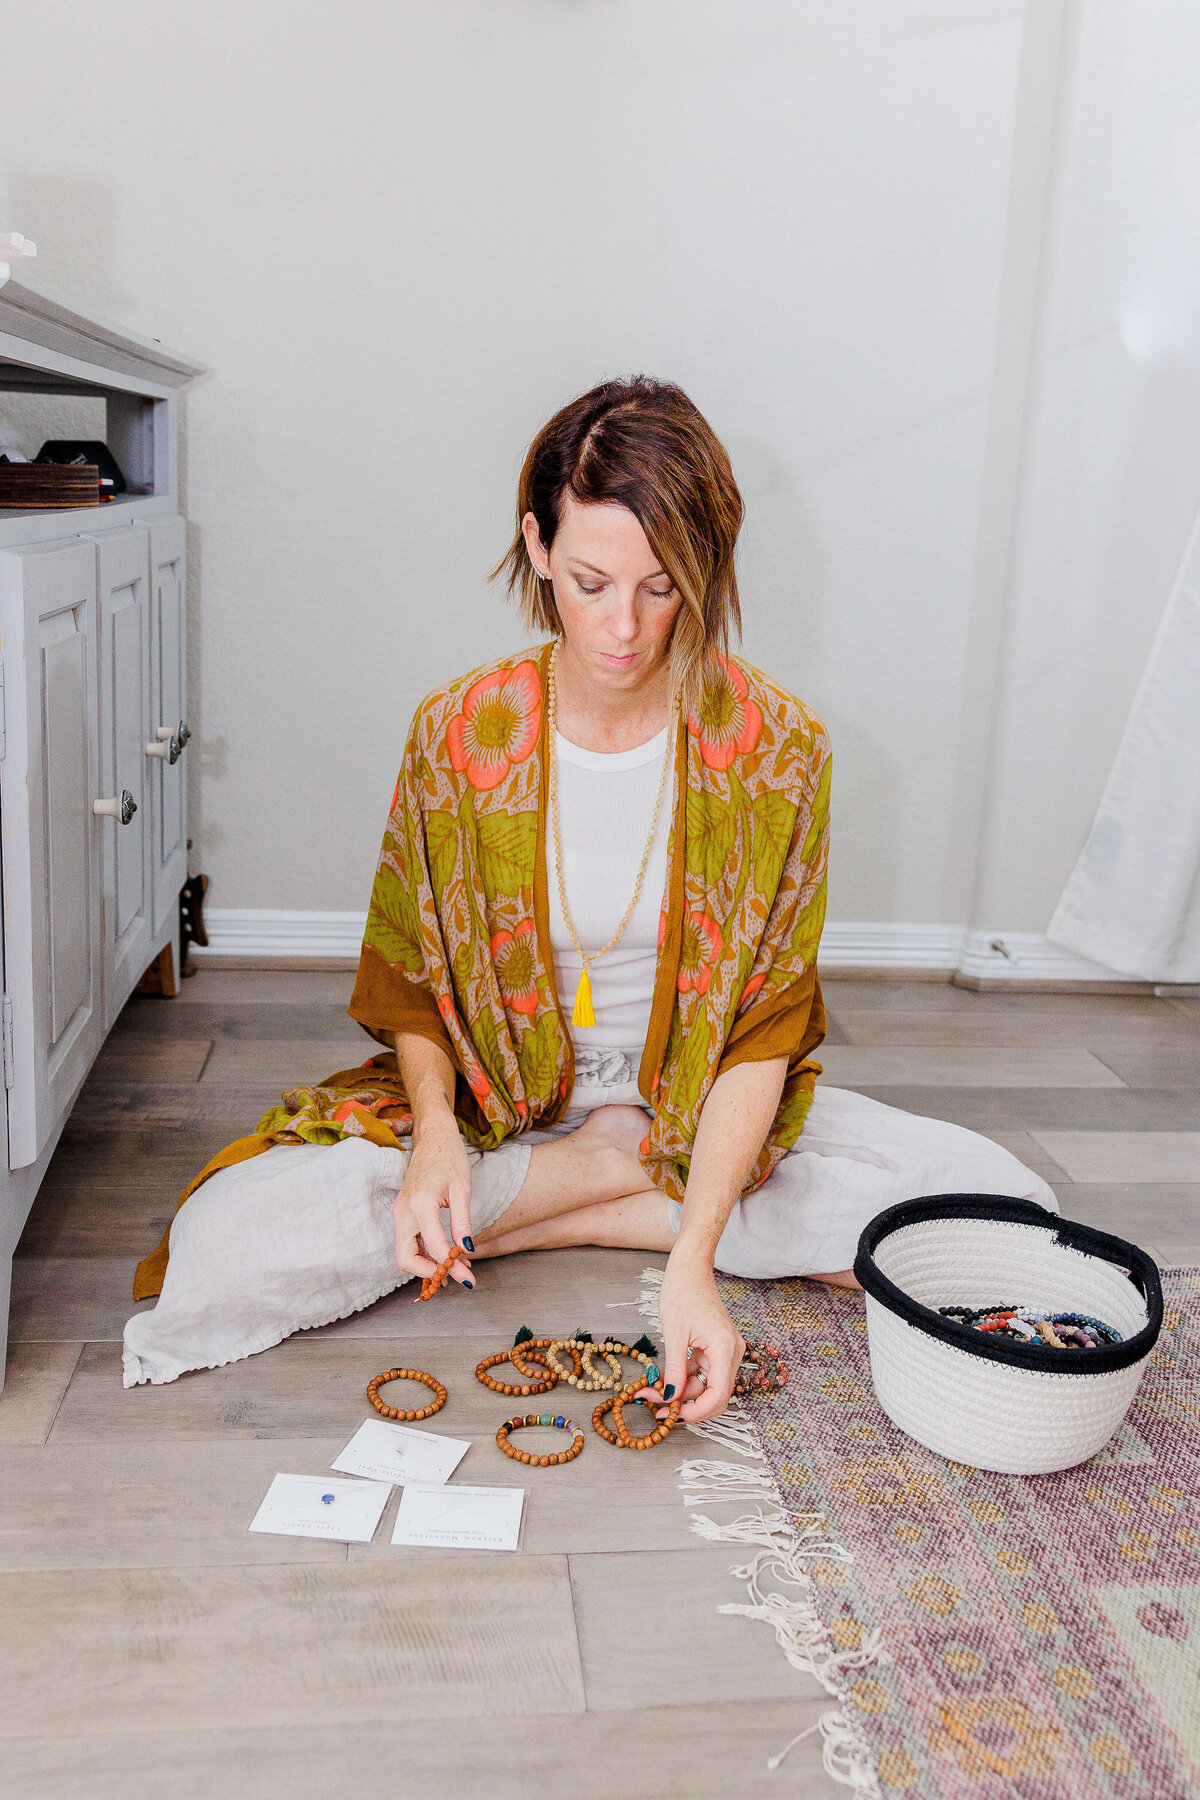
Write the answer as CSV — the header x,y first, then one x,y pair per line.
x,y
620,1434
396,1412
541,1462
1034,1325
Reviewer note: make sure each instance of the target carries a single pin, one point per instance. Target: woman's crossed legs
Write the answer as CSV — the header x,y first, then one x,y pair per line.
x,y
589,1187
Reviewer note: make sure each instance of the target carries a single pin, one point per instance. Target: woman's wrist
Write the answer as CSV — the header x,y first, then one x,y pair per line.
x,y
692,1255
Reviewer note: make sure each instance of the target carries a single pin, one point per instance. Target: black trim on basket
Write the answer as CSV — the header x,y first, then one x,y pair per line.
x,y
1002,1209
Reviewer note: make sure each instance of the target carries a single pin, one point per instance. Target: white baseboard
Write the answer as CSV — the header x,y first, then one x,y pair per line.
x,y
263,934
933,947
1005,956
978,958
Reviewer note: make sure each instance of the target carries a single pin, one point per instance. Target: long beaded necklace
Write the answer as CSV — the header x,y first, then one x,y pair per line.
x,y
583,1013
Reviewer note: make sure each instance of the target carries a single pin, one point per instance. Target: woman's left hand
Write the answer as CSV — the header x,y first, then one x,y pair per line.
x,y
703,1349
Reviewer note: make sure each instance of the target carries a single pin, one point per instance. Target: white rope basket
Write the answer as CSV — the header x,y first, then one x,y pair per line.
x,y
1020,1408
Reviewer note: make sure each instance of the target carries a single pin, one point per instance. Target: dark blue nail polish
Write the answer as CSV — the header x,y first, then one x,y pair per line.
x,y
468,1244
669,1391
469,1284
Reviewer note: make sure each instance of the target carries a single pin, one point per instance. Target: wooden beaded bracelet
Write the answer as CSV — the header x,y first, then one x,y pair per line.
x,y
440,1276
621,1435
531,1351
643,1351
397,1412
541,1462
595,1380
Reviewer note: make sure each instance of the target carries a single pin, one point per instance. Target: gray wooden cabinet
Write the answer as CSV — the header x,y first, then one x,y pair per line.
x,y
50,841
93,730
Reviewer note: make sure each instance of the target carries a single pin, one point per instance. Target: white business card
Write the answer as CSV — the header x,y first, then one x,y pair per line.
x,y
395,1453
460,1518
320,1506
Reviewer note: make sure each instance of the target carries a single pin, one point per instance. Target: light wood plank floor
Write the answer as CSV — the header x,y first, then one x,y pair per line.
x,y
153,1647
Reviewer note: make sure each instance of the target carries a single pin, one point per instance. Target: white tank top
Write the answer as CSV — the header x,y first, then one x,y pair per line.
x,y
605,802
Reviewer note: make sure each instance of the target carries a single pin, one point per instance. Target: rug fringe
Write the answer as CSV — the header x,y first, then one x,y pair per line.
x,y
784,1546
733,1431
703,1480
647,1300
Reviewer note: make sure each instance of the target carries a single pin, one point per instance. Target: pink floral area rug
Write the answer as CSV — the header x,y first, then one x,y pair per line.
x,y
986,1637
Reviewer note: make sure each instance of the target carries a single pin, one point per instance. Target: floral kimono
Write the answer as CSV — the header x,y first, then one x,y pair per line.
x,y
457,942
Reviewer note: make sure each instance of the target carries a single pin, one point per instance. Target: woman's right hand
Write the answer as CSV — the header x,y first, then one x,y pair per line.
x,y
438,1175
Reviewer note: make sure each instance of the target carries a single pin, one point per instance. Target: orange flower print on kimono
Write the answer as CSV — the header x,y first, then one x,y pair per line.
x,y
513,956
498,725
730,722
698,953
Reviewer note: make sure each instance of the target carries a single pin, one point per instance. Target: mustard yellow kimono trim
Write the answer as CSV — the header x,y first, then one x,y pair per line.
x,y
457,941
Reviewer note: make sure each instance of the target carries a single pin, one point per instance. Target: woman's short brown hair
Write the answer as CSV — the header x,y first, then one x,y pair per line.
x,y
640,443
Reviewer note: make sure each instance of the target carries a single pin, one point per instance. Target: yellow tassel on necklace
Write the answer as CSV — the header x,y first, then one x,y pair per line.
x,y
582,1013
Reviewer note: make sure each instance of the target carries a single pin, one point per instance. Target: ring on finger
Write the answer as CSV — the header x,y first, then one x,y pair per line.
x,y
702,1378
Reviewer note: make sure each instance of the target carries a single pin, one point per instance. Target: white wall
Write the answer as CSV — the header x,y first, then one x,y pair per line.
x,y
879,242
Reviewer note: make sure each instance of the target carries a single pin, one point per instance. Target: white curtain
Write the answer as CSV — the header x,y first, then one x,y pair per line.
x,y
1133,899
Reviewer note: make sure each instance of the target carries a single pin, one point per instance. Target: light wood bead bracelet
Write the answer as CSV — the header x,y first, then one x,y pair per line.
x,y
594,1381
531,1350
643,1352
398,1412
621,1436
526,1456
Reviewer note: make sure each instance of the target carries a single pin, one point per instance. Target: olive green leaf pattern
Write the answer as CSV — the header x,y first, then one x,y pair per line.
x,y
506,845
442,837
774,815
539,1056
393,930
711,830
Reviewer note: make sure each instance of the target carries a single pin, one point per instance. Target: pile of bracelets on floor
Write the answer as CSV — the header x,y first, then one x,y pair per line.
x,y
590,1365
1034,1325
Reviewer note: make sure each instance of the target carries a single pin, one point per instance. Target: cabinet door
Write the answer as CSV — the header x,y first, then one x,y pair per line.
x,y
48,779
123,592
168,709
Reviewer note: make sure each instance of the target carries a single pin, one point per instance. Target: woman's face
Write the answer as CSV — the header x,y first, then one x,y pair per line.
x,y
615,601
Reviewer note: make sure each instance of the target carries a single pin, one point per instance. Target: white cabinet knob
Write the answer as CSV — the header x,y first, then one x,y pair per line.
x,y
122,806
170,751
175,735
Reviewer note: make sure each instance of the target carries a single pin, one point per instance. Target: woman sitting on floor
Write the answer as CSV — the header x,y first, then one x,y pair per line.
x,y
592,939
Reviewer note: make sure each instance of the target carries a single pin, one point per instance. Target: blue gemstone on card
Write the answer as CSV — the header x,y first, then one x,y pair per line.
x,y
328,1499
560,1422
